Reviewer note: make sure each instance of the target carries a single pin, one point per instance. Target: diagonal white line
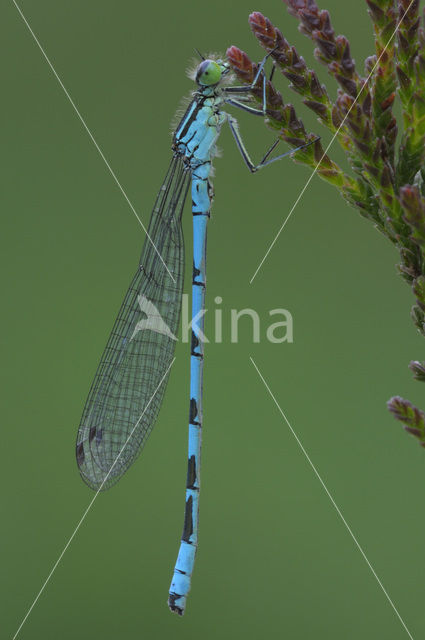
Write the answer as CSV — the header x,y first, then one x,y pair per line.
x,y
337,509
111,171
329,145
90,506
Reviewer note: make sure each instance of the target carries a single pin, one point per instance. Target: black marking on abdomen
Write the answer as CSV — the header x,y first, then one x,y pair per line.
x,y
194,344
188,521
191,473
80,454
92,433
195,272
199,163
193,412
172,602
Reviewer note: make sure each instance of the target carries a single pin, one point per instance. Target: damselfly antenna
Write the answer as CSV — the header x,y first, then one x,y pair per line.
x,y
199,53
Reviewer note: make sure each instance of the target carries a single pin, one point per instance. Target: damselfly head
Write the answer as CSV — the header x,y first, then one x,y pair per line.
x,y
208,73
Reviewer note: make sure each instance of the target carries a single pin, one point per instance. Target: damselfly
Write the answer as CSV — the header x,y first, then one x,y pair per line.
x,y
130,381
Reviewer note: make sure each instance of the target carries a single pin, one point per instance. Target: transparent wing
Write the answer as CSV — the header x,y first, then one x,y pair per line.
x,y
130,380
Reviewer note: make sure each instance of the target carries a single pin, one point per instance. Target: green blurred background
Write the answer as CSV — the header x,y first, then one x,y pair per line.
x,y
275,559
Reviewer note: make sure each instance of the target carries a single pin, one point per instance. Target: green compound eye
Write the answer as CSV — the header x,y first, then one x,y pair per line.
x,y
208,73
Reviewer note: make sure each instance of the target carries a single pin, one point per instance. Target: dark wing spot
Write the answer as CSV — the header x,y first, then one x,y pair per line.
x,y
80,454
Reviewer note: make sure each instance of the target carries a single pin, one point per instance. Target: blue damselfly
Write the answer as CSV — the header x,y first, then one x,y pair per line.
x,y
129,384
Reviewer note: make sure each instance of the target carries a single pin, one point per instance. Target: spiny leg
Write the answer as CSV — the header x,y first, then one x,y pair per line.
x,y
244,107
233,123
260,69
273,69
